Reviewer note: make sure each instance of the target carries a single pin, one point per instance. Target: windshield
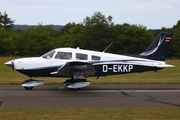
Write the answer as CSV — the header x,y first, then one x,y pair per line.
x,y
49,54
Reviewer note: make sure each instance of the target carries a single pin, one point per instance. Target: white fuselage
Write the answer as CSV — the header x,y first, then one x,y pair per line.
x,y
112,63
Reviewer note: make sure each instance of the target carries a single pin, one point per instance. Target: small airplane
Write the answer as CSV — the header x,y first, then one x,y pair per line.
x,y
79,64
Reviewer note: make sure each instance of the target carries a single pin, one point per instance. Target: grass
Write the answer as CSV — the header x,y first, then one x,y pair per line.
x,y
91,114
166,76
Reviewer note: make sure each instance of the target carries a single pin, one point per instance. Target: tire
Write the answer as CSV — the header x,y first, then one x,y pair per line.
x,y
75,89
28,88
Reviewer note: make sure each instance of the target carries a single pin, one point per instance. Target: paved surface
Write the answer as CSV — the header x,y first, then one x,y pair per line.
x,y
104,96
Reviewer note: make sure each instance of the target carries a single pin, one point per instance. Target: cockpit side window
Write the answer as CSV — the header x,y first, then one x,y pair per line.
x,y
80,56
63,55
49,54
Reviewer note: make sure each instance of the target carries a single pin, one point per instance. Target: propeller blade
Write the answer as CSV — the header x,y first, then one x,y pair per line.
x,y
12,62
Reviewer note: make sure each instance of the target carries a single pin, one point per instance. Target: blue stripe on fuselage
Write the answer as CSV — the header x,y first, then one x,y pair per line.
x,y
44,72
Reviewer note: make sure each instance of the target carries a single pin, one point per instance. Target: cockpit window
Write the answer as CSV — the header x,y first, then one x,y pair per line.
x,y
49,54
63,55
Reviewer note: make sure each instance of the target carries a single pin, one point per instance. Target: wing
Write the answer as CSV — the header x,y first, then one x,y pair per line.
x,y
76,68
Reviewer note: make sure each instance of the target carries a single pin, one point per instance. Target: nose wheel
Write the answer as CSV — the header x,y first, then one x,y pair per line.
x,y
28,88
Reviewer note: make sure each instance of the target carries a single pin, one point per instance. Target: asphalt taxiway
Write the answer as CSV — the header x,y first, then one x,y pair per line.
x,y
93,96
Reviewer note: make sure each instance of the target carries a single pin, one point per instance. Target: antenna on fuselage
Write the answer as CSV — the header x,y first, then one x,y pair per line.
x,y
107,47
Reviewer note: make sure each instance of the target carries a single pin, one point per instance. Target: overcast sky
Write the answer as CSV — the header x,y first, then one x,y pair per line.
x,y
153,14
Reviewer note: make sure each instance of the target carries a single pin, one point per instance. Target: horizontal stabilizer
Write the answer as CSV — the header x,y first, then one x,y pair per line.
x,y
163,66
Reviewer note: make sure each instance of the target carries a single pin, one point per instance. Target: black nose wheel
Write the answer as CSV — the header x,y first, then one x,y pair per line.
x,y
28,88
75,89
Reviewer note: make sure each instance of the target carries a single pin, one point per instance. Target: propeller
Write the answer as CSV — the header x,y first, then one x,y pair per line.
x,y
12,62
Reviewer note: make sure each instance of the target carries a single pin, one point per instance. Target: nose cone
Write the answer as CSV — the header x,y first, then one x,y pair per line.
x,y
9,63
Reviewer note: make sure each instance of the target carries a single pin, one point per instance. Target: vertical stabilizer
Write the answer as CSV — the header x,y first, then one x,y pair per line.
x,y
158,49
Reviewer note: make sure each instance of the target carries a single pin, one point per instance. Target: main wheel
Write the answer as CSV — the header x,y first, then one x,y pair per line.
x,y
75,89
28,88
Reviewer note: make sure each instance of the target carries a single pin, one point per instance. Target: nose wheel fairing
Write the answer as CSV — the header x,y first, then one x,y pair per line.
x,y
30,83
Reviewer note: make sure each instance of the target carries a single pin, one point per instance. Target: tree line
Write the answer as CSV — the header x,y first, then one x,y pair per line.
x,y
94,33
